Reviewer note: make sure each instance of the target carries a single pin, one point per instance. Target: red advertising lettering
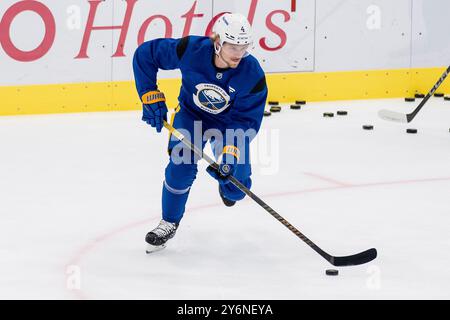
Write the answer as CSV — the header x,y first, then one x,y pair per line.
x,y
6,23
5,36
90,27
190,15
144,27
275,29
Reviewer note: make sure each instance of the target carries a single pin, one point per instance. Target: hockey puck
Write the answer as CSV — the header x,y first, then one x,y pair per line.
x,y
267,113
447,98
438,94
275,109
419,95
295,106
410,99
368,127
300,102
273,103
331,272
328,114
411,130
342,113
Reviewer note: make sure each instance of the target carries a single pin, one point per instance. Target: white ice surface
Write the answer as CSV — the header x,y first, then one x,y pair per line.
x,y
78,193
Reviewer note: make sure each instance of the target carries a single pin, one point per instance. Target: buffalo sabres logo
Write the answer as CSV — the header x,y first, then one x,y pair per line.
x,y
211,98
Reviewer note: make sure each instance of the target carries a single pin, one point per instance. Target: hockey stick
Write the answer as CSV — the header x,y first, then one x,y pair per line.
x,y
356,259
401,117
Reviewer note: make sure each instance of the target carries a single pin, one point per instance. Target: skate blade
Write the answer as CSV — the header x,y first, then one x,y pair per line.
x,y
151,248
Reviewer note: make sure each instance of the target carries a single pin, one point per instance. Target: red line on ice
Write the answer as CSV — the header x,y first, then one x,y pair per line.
x,y
79,294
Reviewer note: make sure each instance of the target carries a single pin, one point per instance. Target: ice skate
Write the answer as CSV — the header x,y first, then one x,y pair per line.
x,y
157,238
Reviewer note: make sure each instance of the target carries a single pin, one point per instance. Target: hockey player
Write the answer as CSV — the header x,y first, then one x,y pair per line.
x,y
223,88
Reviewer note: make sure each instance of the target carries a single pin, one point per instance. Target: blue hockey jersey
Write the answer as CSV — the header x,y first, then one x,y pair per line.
x,y
223,98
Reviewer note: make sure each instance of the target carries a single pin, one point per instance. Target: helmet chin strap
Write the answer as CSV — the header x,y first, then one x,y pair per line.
x,y
217,48
218,51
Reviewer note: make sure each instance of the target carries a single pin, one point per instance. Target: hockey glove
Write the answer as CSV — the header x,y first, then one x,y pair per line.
x,y
154,109
227,166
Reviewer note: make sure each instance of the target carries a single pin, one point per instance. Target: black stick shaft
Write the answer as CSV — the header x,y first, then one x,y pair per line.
x,y
411,116
249,193
356,259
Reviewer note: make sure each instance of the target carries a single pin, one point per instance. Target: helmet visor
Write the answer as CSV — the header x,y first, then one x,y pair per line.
x,y
236,49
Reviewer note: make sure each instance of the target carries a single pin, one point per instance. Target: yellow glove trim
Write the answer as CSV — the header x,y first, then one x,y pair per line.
x,y
153,97
232,150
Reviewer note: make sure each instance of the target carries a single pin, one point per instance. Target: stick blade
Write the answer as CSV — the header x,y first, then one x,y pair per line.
x,y
356,259
393,116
